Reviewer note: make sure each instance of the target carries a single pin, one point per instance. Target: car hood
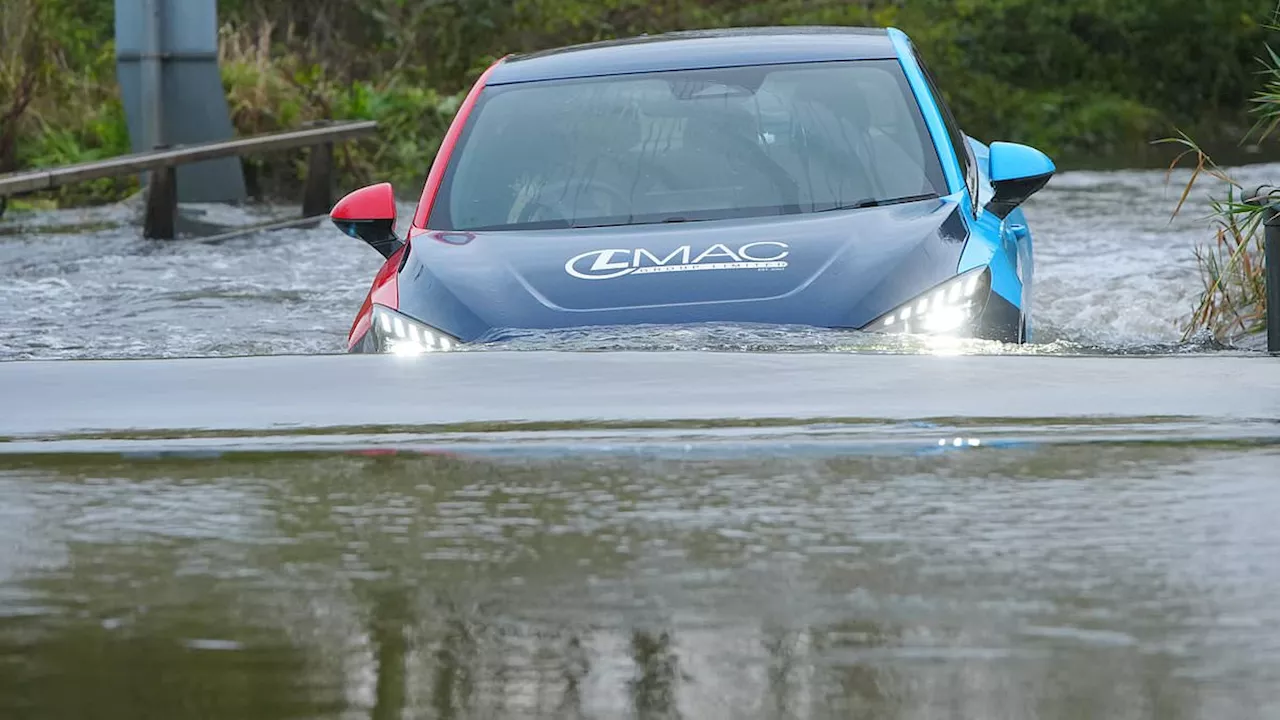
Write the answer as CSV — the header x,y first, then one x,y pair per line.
x,y
833,269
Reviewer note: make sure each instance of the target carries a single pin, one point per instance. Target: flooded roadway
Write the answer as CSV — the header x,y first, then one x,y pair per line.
x,y
808,525
1113,275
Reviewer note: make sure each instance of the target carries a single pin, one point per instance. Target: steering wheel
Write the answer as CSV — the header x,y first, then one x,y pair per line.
x,y
561,200
751,153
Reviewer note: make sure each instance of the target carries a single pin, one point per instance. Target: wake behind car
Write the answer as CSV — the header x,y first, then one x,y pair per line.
x,y
797,176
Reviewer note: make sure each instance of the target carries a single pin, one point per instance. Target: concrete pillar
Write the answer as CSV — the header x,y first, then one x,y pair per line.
x,y
167,66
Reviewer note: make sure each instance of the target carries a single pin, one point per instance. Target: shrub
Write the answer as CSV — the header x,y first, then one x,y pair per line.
x,y
1082,79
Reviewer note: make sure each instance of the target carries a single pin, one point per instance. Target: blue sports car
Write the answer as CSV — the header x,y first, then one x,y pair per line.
x,y
791,176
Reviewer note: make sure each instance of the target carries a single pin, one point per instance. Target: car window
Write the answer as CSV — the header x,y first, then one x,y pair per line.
x,y
964,153
688,146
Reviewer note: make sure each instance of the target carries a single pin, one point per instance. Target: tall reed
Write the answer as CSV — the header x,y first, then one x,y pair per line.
x,y
1232,305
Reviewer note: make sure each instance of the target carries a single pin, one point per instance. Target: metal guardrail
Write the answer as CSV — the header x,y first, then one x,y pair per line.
x,y
162,198
1268,198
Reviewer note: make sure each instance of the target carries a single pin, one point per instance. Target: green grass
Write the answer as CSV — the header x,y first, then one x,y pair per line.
x,y
1233,301
1073,77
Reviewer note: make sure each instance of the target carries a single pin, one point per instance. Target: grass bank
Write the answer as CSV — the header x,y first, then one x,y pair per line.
x,y
59,102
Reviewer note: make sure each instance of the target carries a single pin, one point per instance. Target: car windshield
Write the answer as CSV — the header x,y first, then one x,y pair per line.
x,y
689,145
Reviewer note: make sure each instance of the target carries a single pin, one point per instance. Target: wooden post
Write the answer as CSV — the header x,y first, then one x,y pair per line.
x,y
317,198
162,204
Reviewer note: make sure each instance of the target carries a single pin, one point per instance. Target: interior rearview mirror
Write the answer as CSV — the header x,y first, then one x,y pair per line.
x,y
1017,172
370,215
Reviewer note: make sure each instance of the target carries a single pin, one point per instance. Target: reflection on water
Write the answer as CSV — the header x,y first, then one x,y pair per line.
x,y
1119,581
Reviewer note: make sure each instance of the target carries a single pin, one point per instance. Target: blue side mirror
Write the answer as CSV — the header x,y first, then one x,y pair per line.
x,y
1017,172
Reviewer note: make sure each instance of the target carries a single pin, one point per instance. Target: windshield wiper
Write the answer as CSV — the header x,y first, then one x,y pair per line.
x,y
873,202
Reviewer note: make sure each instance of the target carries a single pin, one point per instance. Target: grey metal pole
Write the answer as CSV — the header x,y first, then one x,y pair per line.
x,y
167,67
1271,263
152,109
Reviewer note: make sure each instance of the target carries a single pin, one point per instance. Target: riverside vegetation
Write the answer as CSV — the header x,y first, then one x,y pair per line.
x,y
1233,302
1092,82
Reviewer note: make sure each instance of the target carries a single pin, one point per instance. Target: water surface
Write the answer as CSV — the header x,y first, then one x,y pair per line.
x,y
1114,275
1050,580
797,527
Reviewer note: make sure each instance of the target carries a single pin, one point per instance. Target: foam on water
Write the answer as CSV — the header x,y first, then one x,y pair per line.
x,y
1115,273
1115,267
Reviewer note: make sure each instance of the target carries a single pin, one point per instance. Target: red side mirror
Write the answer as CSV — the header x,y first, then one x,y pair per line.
x,y
370,215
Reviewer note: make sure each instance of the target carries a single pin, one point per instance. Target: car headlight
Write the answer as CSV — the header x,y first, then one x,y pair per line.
x,y
402,335
948,308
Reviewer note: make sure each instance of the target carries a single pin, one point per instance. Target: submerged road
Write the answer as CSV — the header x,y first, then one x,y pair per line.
x,y
1071,536
48,398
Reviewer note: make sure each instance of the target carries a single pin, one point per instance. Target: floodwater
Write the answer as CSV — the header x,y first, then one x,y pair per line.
x,y
827,526
1048,580
1114,274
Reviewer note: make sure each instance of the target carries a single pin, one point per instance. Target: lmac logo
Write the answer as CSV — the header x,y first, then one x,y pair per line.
x,y
608,264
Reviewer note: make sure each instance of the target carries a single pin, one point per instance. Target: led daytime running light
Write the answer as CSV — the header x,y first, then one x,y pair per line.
x,y
401,335
946,309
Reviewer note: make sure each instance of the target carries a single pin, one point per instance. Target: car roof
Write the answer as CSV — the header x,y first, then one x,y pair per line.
x,y
695,49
